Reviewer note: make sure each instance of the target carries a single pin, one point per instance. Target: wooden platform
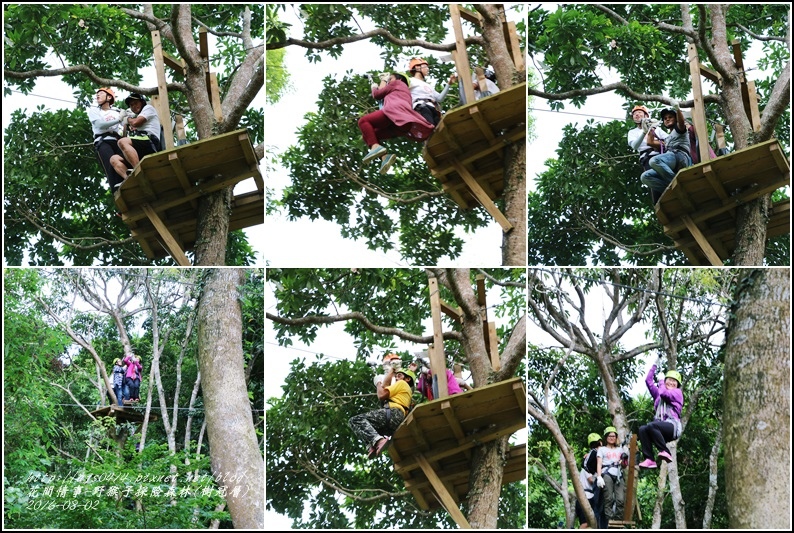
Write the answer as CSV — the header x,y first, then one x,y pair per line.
x,y
434,443
159,202
698,209
126,414
465,152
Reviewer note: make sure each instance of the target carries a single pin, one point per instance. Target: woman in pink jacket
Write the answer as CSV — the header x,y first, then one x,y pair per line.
x,y
668,400
396,119
132,379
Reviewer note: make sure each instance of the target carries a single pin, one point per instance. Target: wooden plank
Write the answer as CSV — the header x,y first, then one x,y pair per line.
x,y
513,45
455,313
483,198
711,74
631,493
470,16
460,56
711,176
215,97
438,365
705,246
752,103
481,123
181,176
169,241
443,494
493,347
699,112
452,421
521,397
175,64
480,281
162,91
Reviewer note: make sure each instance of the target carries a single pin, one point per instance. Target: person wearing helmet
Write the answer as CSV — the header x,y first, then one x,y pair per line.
x,y
588,477
674,152
668,400
118,380
374,427
610,474
428,384
390,360
637,136
105,121
143,137
425,100
396,119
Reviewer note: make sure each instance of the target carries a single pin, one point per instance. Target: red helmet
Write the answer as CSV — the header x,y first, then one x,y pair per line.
x,y
415,62
641,108
108,91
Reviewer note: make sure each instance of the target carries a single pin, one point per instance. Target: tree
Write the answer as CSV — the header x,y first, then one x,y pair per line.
x,y
226,398
593,177
65,327
106,46
757,404
334,186
314,460
595,363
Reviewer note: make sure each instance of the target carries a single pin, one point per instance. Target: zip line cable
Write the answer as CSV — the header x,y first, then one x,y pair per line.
x,y
152,407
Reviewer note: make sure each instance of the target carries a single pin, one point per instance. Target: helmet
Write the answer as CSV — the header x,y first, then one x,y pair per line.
x,y
415,62
389,356
610,429
134,96
675,375
410,374
402,75
117,361
641,108
666,111
593,437
109,91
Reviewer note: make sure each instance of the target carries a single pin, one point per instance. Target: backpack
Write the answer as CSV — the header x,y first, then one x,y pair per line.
x,y
590,461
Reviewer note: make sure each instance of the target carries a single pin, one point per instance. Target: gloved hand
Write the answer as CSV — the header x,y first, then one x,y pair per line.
x,y
646,125
600,482
384,76
373,86
122,114
658,362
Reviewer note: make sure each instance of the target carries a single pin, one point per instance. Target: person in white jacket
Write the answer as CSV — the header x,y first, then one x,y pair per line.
x,y
105,122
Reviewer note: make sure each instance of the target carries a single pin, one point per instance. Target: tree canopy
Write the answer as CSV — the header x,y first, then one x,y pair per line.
x,y
105,45
405,208
591,188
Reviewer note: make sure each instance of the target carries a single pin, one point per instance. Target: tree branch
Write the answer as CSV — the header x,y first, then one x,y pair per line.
x,y
382,330
84,69
622,89
396,197
378,32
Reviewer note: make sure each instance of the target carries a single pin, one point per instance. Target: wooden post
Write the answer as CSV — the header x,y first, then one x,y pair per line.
x,y
438,362
699,112
460,56
443,494
162,107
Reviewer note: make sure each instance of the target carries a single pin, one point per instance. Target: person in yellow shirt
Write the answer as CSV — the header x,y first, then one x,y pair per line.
x,y
374,427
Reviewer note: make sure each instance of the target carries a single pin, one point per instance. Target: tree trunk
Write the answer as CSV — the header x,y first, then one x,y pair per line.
x,y
566,499
485,481
675,488
236,461
715,452
756,402
514,242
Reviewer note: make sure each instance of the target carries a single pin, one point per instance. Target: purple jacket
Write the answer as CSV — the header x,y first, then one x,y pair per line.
x,y
398,107
133,368
673,397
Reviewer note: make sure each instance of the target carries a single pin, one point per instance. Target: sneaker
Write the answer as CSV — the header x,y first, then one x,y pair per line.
x,y
648,463
372,154
666,457
388,161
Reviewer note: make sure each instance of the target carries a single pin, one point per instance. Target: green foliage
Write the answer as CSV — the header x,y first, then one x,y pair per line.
x,y
276,75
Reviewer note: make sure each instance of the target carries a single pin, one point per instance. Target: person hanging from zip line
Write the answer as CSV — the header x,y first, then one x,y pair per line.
x,y
396,119
425,100
674,152
118,380
637,136
390,360
143,137
668,401
611,459
588,476
105,122
373,427
132,378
